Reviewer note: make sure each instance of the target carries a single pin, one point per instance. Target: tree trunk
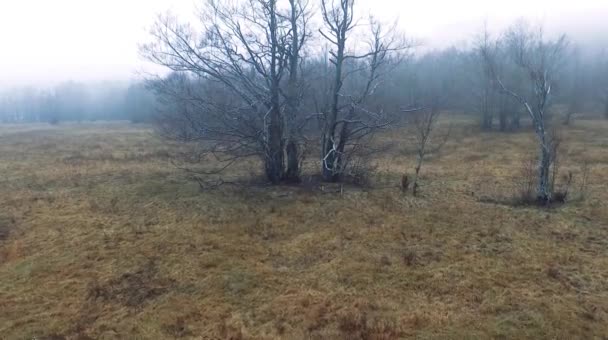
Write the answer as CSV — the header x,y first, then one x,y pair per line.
x,y
292,173
487,122
329,157
293,162
417,172
340,154
274,160
328,161
503,119
486,114
543,193
486,107
275,165
504,113
515,121
568,118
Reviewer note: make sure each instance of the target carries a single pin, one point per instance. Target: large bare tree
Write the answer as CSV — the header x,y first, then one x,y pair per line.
x,y
346,121
540,59
241,97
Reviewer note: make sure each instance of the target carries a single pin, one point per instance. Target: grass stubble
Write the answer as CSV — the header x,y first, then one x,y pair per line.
x,y
101,237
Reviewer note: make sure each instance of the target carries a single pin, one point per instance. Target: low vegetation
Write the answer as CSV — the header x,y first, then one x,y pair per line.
x,y
100,237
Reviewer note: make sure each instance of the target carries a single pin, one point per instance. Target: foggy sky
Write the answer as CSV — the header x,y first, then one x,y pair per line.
x,y
43,42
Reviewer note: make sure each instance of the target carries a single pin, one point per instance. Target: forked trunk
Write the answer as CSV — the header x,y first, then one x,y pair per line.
x,y
330,156
340,160
328,162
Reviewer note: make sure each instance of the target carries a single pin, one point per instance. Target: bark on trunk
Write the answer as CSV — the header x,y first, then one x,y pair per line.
x,y
329,157
275,165
274,160
293,162
486,109
417,172
292,173
328,161
340,155
543,192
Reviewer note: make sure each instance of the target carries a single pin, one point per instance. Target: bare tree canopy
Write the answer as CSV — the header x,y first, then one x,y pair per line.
x,y
347,121
247,82
250,56
245,51
540,59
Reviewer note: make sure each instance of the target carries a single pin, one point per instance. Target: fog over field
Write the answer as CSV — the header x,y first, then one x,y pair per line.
x,y
303,169
76,51
46,42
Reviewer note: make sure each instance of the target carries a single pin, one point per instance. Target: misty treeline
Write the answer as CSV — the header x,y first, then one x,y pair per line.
x,y
282,80
76,101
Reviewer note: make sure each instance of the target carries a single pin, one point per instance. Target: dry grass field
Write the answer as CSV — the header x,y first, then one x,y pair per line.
x,y
102,238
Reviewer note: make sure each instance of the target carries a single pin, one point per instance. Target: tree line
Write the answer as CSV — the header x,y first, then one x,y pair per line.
x,y
76,101
285,80
268,78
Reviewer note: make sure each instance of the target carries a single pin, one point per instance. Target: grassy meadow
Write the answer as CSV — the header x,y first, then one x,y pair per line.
x,y
101,237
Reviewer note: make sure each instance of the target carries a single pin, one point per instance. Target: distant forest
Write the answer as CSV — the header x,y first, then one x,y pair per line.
x,y
455,74
75,101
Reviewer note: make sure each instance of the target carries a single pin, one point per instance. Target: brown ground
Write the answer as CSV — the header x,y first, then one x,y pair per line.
x,y
100,237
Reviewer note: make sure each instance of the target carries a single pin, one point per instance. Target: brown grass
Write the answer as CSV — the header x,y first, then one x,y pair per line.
x,y
100,237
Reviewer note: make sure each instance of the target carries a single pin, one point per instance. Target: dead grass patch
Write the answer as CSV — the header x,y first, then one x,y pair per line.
x,y
132,289
6,224
102,238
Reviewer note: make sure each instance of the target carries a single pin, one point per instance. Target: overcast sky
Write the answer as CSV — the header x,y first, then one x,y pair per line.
x,y
46,41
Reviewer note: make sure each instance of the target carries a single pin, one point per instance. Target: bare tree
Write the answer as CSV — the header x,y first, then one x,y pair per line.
x,y
422,122
347,121
540,59
427,141
298,21
245,51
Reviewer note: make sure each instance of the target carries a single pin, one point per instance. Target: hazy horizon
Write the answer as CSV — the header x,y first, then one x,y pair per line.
x,y
45,42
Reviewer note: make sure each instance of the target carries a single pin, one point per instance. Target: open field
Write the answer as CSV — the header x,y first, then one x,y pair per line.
x,y
100,237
